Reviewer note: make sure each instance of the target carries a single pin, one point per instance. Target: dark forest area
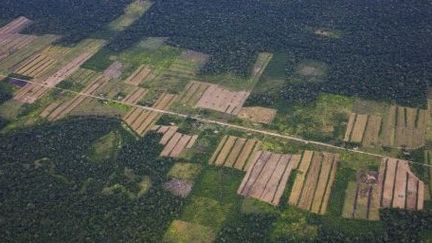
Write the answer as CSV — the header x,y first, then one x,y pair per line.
x,y
382,52
73,19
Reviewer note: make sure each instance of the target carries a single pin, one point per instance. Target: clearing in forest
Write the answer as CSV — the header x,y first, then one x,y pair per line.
x,y
131,13
258,114
315,176
361,198
235,152
141,120
401,127
182,231
398,187
175,143
268,175
222,100
260,65
56,111
184,69
79,54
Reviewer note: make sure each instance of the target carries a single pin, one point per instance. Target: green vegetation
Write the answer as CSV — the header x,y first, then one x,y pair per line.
x,y
105,148
184,171
78,209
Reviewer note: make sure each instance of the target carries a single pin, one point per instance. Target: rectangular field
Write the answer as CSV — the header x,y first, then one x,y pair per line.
x,y
361,199
398,186
315,177
267,176
175,143
141,120
258,114
235,152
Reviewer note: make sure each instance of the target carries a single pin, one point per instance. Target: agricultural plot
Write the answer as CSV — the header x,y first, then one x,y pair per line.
x,y
79,79
114,71
364,129
193,92
398,187
405,127
268,175
258,114
315,176
15,26
135,96
216,98
401,127
141,74
141,120
56,111
184,69
20,51
32,91
12,43
175,142
361,201
235,152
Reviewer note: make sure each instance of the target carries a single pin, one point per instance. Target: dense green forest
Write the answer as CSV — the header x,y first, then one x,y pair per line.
x,y
380,50
74,19
51,191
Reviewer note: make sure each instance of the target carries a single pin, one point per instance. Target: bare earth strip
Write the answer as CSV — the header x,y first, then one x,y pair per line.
x,y
389,182
253,173
411,192
389,126
300,178
330,182
326,167
400,185
15,26
273,183
371,137
168,135
225,150
310,183
350,126
245,154
218,149
293,163
180,146
259,184
235,152
171,144
359,128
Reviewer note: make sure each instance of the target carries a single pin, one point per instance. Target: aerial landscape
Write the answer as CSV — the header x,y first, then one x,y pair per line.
x,y
215,121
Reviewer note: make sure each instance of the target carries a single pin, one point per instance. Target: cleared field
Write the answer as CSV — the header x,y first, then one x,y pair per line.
x,y
401,127
14,56
258,114
74,58
135,96
182,70
137,77
315,177
141,120
114,71
405,127
235,152
175,143
222,100
398,186
57,111
260,65
16,26
193,92
267,176
361,201
9,44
